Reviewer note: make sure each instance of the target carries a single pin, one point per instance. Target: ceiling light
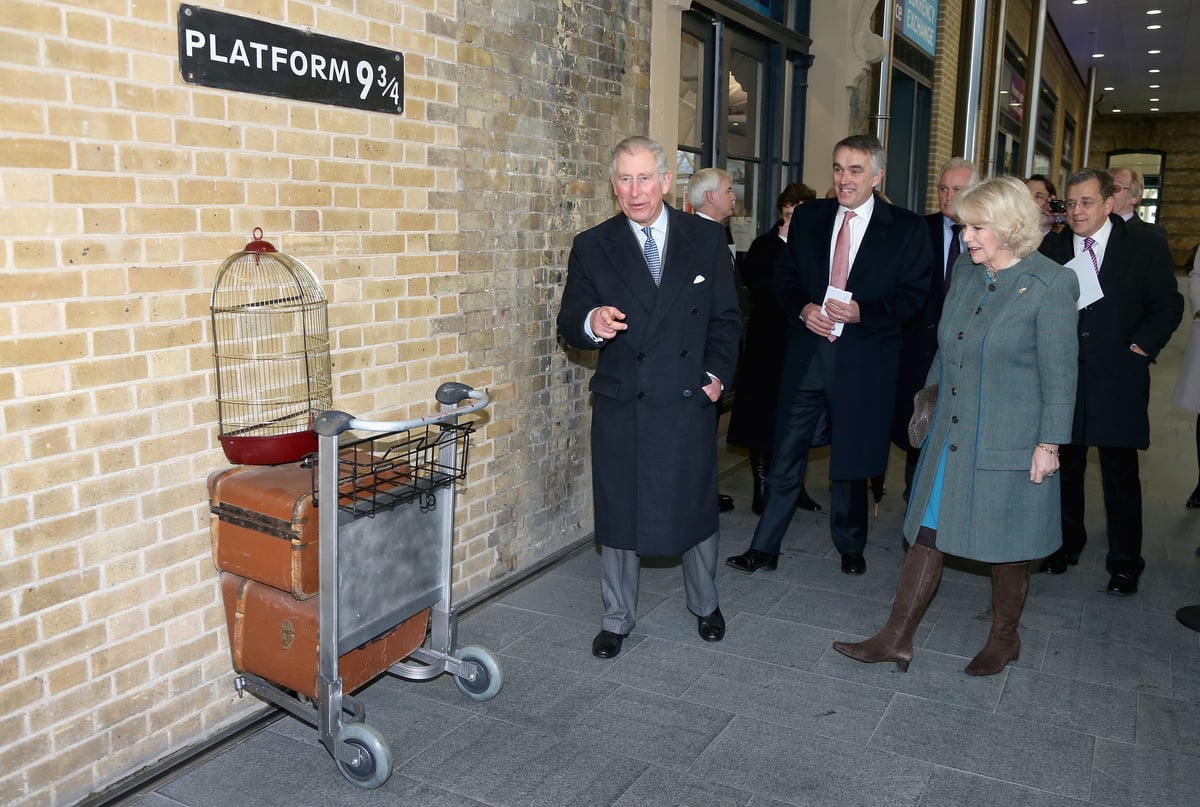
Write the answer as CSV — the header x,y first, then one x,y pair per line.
x,y
1153,27
1153,99
1155,11
1079,2
1109,89
1153,109
1155,86
1153,70
1154,52
1097,55
1114,109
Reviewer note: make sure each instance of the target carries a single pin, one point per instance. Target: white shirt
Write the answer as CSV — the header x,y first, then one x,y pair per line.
x,y
948,238
1101,239
858,228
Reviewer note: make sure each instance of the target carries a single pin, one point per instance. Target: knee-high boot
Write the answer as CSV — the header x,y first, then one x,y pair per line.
x,y
760,463
1010,585
918,581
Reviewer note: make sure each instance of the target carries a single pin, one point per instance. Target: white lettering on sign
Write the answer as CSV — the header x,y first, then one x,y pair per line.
x,y
261,56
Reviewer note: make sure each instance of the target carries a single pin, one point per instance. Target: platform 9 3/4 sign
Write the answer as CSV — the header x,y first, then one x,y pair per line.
x,y
239,53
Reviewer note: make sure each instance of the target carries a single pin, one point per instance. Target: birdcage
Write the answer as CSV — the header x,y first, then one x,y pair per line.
x,y
271,349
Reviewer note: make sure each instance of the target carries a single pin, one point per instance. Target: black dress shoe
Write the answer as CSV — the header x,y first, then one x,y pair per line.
x,y
1122,584
724,503
853,563
1058,561
1193,501
806,502
711,627
607,644
752,560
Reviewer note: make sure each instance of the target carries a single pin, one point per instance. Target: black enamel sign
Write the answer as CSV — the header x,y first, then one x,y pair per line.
x,y
248,55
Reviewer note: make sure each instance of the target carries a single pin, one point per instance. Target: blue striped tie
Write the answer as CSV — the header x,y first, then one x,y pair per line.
x,y
653,260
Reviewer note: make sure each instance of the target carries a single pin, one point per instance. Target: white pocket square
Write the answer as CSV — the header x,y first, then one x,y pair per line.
x,y
699,279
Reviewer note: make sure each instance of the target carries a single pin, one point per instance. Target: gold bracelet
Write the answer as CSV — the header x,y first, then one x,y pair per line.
x,y
1052,453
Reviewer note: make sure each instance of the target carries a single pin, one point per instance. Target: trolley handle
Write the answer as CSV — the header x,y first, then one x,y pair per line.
x,y
333,422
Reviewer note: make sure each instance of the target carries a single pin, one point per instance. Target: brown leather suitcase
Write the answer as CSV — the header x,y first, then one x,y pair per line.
x,y
274,636
264,525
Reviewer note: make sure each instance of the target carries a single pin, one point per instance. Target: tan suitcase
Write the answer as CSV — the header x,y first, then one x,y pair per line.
x,y
274,636
264,525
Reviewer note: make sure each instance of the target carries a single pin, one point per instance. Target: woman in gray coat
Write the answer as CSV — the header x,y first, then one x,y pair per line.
x,y
1006,371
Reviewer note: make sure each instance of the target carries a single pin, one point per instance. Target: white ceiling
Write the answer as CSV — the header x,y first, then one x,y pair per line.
x,y
1117,28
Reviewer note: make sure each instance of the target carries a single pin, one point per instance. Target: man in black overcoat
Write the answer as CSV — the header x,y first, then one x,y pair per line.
x,y
1119,336
651,289
885,260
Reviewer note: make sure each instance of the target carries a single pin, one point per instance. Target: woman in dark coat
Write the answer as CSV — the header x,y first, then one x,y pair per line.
x,y
752,422
985,488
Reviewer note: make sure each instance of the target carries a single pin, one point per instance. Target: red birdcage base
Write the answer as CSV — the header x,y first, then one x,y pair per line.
x,y
275,449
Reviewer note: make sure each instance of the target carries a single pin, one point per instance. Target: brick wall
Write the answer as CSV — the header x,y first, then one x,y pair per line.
x,y
1179,136
440,237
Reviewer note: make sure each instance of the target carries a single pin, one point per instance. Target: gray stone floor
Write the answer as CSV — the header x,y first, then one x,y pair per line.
x,y
1102,708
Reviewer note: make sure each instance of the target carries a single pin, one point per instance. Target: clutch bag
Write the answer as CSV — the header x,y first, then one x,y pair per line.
x,y
923,405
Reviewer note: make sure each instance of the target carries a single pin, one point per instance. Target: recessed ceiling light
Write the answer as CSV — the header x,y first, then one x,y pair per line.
x,y
1153,70
1109,89
1097,55
1114,109
1153,100
1154,52
1155,86
1153,27
1153,109
1155,11
1079,2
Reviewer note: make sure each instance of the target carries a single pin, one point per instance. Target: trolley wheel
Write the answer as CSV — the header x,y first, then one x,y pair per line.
x,y
375,758
488,677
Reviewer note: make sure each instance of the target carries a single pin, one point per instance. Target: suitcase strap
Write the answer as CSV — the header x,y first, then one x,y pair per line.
x,y
253,520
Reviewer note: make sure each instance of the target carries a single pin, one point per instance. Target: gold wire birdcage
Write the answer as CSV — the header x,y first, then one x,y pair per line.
x,y
271,349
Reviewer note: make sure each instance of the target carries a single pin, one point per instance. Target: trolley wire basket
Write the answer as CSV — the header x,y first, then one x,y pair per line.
x,y
383,471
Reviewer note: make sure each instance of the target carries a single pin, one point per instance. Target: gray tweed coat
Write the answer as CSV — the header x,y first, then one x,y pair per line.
x,y
1006,368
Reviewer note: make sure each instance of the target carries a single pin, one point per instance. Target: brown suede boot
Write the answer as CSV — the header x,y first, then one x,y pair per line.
x,y
1010,584
918,581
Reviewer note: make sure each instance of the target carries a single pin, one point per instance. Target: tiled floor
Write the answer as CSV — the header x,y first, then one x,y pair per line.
x,y
1102,708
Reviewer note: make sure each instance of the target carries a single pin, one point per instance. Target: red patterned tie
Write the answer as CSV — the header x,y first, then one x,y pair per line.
x,y
1088,243
841,258
841,254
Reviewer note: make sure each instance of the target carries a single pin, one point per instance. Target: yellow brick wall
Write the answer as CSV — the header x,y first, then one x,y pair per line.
x,y
440,238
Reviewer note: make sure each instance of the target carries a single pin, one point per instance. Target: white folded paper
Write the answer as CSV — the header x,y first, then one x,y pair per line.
x,y
1089,281
842,296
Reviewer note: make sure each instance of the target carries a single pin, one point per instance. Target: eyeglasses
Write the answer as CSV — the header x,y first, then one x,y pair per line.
x,y
1086,204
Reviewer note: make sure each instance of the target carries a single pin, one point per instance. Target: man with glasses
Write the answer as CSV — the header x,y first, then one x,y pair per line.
x,y
1128,186
1119,336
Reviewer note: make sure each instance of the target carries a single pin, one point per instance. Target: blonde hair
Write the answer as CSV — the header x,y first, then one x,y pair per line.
x,y
1004,205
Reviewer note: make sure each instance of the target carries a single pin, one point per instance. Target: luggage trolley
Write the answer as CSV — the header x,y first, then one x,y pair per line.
x,y
385,559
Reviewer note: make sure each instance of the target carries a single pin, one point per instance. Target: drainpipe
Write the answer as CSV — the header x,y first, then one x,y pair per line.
x,y
883,104
1033,90
974,80
1085,158
997,74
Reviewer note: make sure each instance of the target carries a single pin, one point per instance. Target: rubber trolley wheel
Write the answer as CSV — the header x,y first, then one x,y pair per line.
x,y
488,677
375,758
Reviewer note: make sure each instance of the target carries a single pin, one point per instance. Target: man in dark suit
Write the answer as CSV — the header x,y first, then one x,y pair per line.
x,y
1128,187
1119,336
712,197
920,333
854,269
650,288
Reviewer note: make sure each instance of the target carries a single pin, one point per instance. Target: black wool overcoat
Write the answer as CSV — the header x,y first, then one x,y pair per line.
x,y
654,443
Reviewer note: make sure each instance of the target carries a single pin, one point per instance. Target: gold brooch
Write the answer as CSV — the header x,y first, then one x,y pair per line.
x,y
1022,290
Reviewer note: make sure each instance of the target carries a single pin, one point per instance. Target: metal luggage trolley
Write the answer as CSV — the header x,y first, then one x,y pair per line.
x,y
385,556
